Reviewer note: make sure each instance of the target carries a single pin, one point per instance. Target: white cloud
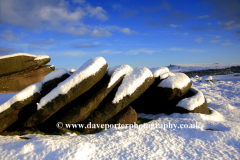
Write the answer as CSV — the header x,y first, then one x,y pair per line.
x,y
209,35
209,23
40,44
11,36
112,27
79,1
199,39
184,50
33,47
100,33
96,43
97,12
185,34
225,44
105,51
75,53
43,42
118,7
227,40
74,30
85,45
135,52
175,25
56,15
213,41
127,31
205,16
174,49
109,52
229,25
218,37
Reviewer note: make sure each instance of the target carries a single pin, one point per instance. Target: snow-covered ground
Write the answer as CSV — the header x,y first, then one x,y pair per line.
x,y
204,66
145,143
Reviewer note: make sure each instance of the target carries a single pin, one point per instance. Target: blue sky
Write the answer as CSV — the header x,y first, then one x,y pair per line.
x,y
139,33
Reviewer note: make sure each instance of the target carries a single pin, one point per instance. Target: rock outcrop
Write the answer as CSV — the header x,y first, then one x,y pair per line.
x,y
20,70
175,86
98,96
10,109
126,116
18,81
165,100
86,104
49,82
78,83
20,62
132,86
196,103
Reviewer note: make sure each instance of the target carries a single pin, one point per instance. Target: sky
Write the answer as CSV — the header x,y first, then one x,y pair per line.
x,y
139,33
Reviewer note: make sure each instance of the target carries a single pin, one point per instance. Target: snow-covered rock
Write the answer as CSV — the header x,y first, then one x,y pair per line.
x,y
51,80
18,62
177,80
163,95
131,82
197,77
161,72
191,102
175,86
80,108
71,70
195,103
132,86
117,72
78,83
207,79
10,109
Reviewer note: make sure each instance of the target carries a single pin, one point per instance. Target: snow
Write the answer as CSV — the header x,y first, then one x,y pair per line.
x,y
40,57
22,95
37,57
51,66
159,71
230,77
117,72
206,78
203,66
71,70
177,80
144,143
88,69
164,75
131,82
55,74
192,102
